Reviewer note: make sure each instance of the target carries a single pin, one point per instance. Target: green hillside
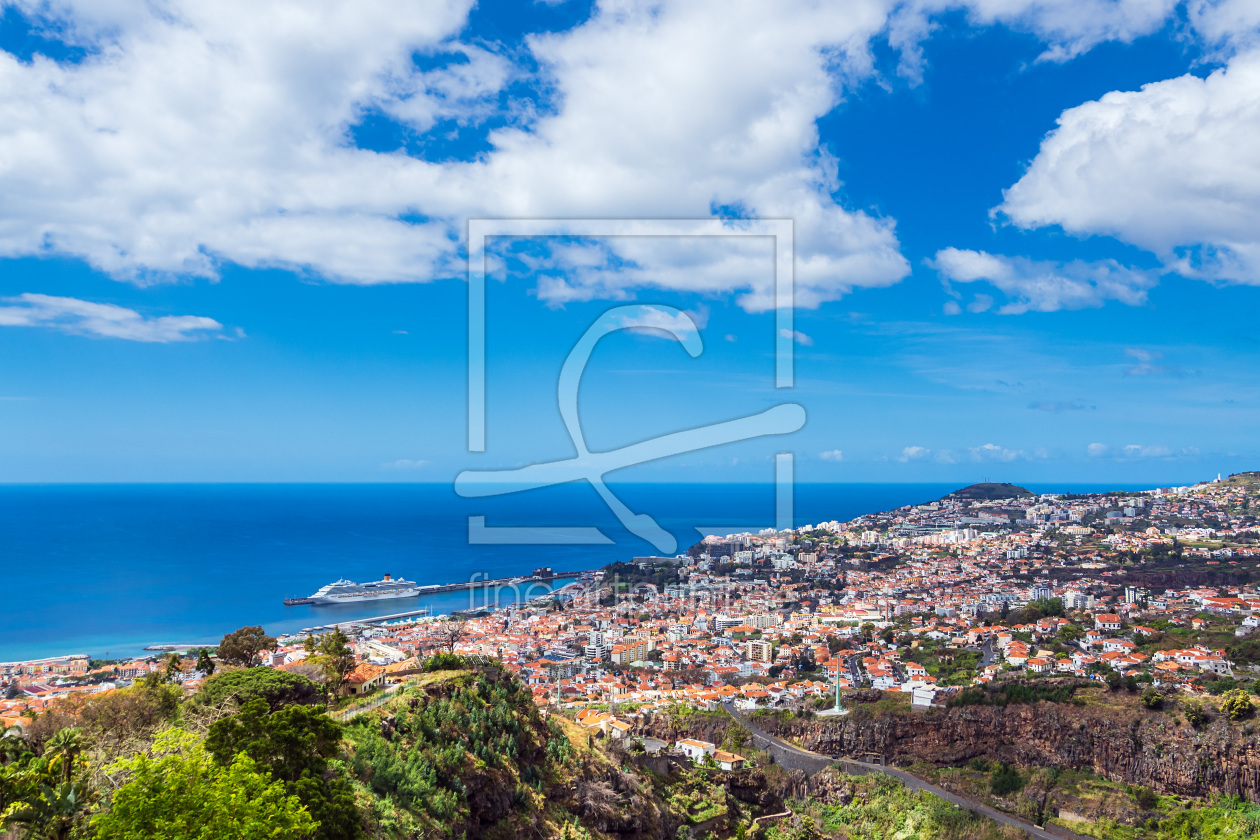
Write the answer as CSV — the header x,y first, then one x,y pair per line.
x,y
991,491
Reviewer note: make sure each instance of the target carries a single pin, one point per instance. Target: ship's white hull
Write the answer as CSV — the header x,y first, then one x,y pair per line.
x,y
366,596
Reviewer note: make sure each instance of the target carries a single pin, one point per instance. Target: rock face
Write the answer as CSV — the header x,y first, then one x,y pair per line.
x,y
1118,744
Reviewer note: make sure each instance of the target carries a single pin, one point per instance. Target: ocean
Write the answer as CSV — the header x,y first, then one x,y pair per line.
x,y
109,569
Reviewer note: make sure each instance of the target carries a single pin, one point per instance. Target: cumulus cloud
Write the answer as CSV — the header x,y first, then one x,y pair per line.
x,y
1068,27
915,453
197,134
1041,286
102,320
1135,451
993,452
1172,168
1225,26
1072,28
653,320
922,453
832,455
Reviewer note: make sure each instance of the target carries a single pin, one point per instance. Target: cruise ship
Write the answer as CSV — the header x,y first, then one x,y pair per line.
x,y
349,592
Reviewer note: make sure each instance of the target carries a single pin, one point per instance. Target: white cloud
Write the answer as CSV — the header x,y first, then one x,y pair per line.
x,y
993,452
922,453
652,320
1173,168
798,336
1071,28
1068,27
404,464
196,133
981,303
1148,363
1097,450
1227,25
1040,286
103,320
915,453
201,134
1134,450
832,455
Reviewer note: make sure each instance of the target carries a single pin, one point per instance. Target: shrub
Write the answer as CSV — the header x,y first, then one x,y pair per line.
x,y
1196,713
1152,699
420,760
1145,797
445,662
1005,779
1237,705
1222,685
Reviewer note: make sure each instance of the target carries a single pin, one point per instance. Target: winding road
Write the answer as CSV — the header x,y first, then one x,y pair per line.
x,y
793,757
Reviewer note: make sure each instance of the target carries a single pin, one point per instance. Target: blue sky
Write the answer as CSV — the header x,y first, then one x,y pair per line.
x,y
1027,235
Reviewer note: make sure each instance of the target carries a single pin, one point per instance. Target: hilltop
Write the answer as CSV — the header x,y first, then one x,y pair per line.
x,y
991,491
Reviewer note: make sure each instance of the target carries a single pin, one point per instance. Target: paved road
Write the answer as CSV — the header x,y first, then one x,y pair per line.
x,y
795,758
785,755
988,654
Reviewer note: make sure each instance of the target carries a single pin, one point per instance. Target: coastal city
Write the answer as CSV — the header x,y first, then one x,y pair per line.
x,y
1154,592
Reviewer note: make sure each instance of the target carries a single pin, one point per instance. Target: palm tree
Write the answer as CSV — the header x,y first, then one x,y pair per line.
x,y
50,813
53,803
63,748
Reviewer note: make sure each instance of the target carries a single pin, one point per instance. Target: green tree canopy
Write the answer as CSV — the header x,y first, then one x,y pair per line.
x,y
204,663
243,646
1048,606
293,744
333,654
181,792
278,688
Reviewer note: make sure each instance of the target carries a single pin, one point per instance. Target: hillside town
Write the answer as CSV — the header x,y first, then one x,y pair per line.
x,y
1147,590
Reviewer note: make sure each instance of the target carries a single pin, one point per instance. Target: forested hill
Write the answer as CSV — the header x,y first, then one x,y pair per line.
x,y
991,491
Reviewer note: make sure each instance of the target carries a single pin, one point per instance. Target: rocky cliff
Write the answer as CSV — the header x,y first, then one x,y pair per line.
x,y
1118,742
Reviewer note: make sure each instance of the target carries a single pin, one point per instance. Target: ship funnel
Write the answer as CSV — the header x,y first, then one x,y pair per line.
x,y
387,576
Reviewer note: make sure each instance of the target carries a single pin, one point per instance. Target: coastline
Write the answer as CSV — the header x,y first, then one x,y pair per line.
x,y
116,568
